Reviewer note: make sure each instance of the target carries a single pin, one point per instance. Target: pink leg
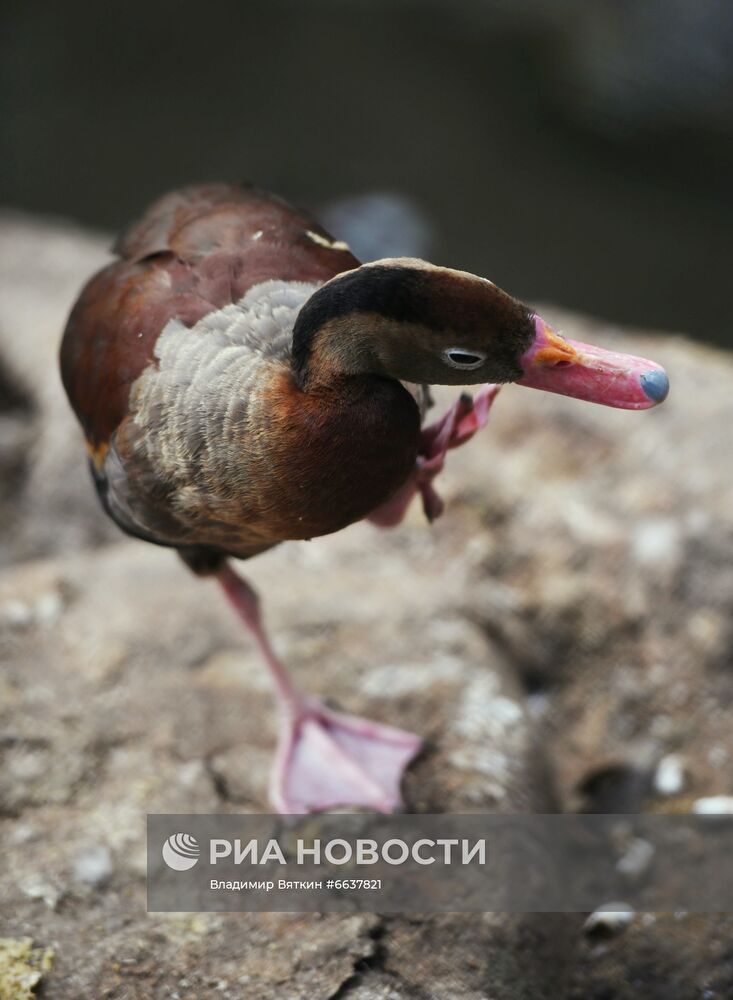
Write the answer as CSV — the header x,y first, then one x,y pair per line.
x,y
453,429
324,758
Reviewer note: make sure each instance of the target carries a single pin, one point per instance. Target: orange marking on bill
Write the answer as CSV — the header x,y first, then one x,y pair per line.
x,y
556,350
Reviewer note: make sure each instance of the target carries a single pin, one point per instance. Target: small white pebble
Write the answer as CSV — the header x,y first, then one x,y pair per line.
x,y
16,614
669,777
637,858
609,918
657,540
94,866
39,888
23,834
28,766
713,805
190,772
717,756
48,608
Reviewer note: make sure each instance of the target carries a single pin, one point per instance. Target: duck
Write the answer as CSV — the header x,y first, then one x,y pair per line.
x,y
241,379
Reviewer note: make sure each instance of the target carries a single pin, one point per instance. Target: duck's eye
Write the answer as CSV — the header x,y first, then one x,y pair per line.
x,y
463,360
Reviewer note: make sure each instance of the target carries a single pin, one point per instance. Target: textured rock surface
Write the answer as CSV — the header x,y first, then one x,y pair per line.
x,y
562,629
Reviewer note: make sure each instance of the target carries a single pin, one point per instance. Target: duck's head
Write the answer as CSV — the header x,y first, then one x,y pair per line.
x,y
410,320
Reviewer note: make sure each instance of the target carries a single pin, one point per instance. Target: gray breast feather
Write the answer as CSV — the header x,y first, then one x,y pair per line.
x,y
192,401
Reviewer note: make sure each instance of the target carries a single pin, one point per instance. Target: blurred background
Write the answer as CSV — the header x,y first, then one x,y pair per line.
x,y
563,636
574,151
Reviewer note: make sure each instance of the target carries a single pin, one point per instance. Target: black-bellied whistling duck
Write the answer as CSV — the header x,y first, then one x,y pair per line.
x,y
242,380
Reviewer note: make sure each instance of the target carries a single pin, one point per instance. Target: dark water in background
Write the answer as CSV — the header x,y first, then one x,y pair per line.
x,y
566,150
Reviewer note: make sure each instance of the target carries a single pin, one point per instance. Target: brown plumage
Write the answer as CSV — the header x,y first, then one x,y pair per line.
x,y
294,464
241,380
300,435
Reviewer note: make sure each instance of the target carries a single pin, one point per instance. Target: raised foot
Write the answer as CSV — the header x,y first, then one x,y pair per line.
x,y
327,759
457,426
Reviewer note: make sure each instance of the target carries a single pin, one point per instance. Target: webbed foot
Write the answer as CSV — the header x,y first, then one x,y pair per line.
x,y
327,759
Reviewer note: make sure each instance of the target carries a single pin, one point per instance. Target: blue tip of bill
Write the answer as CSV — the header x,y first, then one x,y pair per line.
x,y
655,385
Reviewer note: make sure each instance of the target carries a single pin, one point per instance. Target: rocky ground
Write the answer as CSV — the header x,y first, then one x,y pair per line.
x,y
562,638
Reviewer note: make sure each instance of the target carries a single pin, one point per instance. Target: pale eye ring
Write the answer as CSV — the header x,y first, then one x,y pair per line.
x,y
463,358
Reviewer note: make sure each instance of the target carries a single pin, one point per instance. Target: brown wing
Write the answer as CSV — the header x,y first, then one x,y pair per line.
x,y
192,252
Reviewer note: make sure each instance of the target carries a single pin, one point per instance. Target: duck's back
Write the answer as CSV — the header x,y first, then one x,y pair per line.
x,y
193,253
205,293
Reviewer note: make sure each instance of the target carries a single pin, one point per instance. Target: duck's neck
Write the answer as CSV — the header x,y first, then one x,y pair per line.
x,y
333,453
332,339
363,322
